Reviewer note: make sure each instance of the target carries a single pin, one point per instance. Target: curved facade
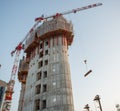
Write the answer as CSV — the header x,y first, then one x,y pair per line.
x,y
48,84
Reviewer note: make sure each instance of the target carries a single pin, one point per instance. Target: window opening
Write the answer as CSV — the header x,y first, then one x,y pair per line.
x,y
38,89
46,62
37,104
40,64
41,54
41,46
44,87
39,75
44,104
45,74
46,43
46,52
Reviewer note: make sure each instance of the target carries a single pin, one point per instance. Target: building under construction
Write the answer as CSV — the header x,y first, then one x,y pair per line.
x,y
45,71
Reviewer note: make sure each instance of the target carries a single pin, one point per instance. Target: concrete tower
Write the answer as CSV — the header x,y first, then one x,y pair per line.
x,y
48,84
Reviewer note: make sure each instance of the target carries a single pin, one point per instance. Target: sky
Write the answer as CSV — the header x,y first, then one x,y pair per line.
x,y
96,39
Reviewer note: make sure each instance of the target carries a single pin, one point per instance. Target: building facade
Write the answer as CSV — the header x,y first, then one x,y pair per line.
x,y
48,83
3,86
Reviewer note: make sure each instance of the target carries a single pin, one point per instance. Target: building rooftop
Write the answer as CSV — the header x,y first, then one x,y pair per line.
x,y
3,83
53,27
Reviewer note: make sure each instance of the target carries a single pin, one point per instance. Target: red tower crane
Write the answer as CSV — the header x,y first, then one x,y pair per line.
x,y
20,46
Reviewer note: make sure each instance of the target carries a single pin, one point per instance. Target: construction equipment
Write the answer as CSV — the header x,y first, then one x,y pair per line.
x,y
68,12
87,107
97,99
88,71
10,86
20,46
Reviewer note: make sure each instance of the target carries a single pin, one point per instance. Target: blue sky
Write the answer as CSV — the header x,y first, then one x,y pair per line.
x,y
96,38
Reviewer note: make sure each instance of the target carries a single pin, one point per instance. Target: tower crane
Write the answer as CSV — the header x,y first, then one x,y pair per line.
x,y
20,46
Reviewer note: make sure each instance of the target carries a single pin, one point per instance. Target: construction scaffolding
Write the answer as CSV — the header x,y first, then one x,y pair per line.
x,y
23,70
53,27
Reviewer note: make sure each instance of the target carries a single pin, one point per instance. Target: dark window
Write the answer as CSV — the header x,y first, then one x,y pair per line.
x,y
46,62
44,87
37,104
39,75
45,74
40,64
41,54
44,104
46,52
41,45
38,89
46,43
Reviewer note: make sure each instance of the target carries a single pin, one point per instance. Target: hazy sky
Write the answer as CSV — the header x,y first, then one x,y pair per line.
x,y
96,38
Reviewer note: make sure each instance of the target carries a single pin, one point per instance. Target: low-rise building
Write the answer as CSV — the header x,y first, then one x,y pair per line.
x,y
3,86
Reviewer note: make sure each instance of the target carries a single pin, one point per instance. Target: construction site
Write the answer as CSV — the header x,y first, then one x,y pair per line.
x,y
44,70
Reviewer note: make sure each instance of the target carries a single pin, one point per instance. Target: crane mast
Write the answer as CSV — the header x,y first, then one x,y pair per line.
x,y
10,86
20,46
